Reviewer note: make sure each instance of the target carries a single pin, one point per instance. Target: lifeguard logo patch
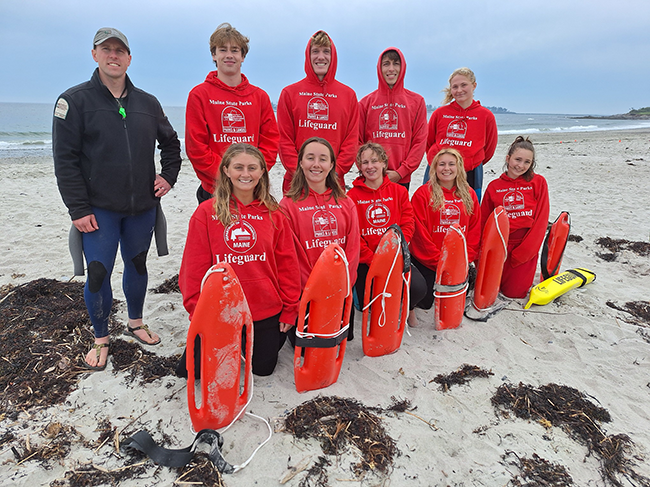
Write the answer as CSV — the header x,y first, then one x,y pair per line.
x,y
378,215
240,236
450,214
61,109
318,109
457,128
233,121
324,224
388,119
514,200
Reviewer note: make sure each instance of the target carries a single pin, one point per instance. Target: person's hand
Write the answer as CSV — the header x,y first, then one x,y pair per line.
x,y
160,186
86,224
285,327
393,176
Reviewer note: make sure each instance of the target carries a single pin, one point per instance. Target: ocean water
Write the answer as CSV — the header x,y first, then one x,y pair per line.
x,y
26,128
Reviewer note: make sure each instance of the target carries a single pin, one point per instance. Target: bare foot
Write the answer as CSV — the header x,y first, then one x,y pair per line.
x,y
98,355
412,319
142,333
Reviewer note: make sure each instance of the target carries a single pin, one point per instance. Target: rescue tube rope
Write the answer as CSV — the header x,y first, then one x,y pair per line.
x,y
383,295
503,240
338,333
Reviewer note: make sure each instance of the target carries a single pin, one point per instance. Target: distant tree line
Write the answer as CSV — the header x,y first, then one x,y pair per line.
x,y
431,108
639,111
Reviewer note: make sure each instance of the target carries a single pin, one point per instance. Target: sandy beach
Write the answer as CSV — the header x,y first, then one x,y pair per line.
x,y
452,438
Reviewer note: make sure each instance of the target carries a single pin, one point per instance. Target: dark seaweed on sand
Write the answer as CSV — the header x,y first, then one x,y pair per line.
x,y
200,471
575,238
568,408
88,476
317,474
139,363
539,472
461,376
339,422
44,335
639,309
617,245
168,286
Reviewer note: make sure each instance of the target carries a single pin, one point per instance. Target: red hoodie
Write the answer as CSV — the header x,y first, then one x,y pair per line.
x,y
397,119
218,115
326,109
260,249
471,131
527,206
377,210
431,226
319,220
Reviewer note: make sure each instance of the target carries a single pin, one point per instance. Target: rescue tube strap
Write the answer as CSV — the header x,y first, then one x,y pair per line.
x,y
143,442
305,339
451,288
578,275
458,291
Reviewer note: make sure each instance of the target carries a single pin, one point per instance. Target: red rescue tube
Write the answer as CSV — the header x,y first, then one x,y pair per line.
x,y
220,317
554,245
451,280
494,250
386,297
326,300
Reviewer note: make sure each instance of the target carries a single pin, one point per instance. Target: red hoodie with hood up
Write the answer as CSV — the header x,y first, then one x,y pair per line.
x,y
472,131
396,118
327,109
218,115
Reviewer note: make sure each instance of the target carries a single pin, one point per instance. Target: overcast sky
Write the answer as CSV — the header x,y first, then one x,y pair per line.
x,y
551,56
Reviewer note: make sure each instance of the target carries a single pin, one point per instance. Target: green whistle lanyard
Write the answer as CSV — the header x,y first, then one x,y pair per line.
x,y
121,109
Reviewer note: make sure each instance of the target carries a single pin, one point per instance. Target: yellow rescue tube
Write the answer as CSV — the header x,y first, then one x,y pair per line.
x,y
556,286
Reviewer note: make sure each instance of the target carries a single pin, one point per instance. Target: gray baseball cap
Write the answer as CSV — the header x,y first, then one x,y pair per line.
x,y
106,33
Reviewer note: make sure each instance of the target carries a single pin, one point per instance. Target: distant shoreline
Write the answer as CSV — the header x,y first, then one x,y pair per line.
x,y
623,116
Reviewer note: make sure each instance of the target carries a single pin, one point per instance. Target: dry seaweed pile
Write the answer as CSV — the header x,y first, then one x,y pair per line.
x,y
460,376
91,475
538,472
200,471
168,286
44,334
575,238
339,422
617,245
139,363
568,409
639,309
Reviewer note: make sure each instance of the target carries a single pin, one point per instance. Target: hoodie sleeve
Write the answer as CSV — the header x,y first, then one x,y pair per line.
x,y
491,137
287,263
363,113
423,246
269,136
418,142
286,124
353,241
432,136
407,216
197,136
348,150
197,259
473,235
170,148
487,206
529,247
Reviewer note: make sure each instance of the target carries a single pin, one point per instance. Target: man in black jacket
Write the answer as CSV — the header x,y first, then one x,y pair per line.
x,y
104,138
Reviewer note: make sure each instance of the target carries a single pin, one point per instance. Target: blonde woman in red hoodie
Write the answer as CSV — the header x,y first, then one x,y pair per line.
x,y
463,124
243,226
446,199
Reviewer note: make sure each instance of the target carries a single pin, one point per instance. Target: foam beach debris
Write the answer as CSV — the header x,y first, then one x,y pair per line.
x,y
567,408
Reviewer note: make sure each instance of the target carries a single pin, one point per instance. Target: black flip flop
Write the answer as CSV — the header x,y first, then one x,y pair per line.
x,y
129,331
